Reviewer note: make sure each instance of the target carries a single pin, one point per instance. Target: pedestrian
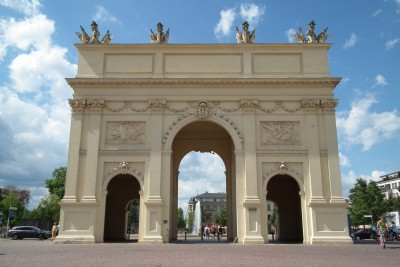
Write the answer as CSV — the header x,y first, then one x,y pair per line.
x,y
54,231
202,232
207,231
219,233
382,226
213,230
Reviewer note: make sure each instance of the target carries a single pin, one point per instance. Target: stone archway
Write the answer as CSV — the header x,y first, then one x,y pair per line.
x,y
205,136
147,106
122,189
283,190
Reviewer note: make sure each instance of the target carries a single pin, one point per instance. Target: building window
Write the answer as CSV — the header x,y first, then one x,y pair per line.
x,y
268,207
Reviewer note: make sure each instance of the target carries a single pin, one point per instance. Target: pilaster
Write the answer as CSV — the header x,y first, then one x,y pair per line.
x,y
93,142
314,159
77,108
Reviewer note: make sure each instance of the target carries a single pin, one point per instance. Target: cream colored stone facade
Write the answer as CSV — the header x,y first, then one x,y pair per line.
x,y
267,109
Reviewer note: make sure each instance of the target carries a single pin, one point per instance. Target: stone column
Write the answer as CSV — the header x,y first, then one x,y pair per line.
x,y
251,203
154,201
314,159
93,142
77,106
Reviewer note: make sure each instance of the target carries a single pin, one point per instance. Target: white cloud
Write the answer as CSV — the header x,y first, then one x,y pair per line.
x,y
102,14
28,7
363,127
344,160
34,112
376,13
380,80
351,42
345,80
31,33
290,35
224,26
252,13
391,43
198,173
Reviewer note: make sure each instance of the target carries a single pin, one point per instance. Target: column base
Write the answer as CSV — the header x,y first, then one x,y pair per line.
x,y
343,240
74,239
151,240
254,240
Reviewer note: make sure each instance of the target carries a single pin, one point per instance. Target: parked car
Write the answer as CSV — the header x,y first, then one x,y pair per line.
x,y
20,232
365,234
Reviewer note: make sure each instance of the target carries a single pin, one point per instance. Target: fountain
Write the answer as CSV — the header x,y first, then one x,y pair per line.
x,y
196,219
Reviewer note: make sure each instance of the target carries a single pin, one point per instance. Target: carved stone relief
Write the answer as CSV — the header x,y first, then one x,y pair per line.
x,y
280,133
125,132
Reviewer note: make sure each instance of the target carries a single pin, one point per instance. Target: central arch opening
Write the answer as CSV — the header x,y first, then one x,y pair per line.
x,y
204,136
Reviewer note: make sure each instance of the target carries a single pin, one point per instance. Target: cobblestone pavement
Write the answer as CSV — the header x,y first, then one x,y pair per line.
x,y
195,253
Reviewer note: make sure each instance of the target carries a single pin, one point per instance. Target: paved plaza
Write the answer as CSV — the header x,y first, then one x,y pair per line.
x,y
195,253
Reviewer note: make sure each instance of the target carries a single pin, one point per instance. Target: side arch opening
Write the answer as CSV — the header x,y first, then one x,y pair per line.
x,y
122,190
283,190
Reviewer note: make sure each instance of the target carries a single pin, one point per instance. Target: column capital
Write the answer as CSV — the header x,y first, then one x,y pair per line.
x,y
77,105
95,105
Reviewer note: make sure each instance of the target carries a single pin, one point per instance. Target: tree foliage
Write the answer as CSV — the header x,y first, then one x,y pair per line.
x,y
48,208
190,219
272,220
12,200
56,185
365,199
133,209
22,194
181,219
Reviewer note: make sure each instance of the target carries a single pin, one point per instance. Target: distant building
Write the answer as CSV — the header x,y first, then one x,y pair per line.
x,y
391,183
210,203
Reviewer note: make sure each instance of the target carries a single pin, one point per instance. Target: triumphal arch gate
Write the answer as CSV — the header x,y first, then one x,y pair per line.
x,y
267,110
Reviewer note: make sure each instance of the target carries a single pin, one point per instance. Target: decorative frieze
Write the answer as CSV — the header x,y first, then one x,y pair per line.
x,y
280,133
310,104
329,104
77,105
204,109
249,104
157,105
125,132
95,105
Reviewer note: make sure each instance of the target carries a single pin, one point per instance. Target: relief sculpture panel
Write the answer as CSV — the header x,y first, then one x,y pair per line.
x,y
280,133
125,132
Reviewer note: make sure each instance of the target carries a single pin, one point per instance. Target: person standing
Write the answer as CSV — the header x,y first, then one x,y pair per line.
x,y
54,231
207,231
382,226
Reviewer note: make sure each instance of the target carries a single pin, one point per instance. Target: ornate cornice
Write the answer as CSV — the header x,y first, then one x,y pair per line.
x,y
201,82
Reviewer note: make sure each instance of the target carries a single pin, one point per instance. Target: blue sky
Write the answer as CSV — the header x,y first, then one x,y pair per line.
x,y
37,52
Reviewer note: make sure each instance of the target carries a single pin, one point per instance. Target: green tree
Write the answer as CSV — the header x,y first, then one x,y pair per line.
x,y
365,199
393,203
223,217
48,208
56,185
12,200
22,194
181,219
190,219
133,216
272,220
